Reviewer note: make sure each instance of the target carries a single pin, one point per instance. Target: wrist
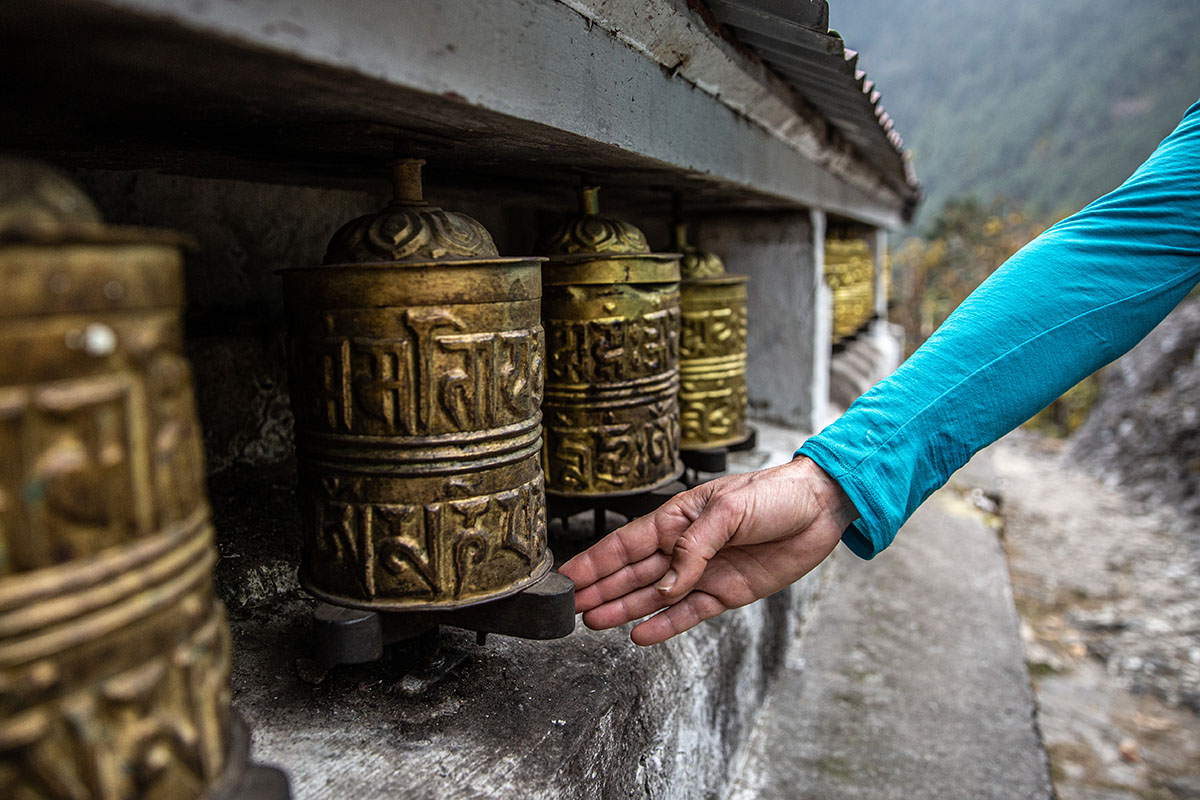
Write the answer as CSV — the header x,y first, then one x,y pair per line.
x,y
827,494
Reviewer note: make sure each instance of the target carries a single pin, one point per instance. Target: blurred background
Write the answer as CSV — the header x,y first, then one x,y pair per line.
x,y
1018,114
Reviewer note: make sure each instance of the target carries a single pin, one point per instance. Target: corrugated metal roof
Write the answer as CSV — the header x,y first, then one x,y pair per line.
x,y
793,38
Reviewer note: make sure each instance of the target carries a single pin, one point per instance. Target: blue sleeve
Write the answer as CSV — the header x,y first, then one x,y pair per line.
x,y
1075,298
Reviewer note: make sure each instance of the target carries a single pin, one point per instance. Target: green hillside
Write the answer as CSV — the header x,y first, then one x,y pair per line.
x,y
1048,103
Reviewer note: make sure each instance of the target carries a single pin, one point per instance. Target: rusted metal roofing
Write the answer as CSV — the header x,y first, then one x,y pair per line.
x,y
793,38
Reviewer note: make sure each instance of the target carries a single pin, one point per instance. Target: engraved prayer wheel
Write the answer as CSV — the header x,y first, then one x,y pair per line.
x,y
114,652
712,349
611,311
850,273
416,370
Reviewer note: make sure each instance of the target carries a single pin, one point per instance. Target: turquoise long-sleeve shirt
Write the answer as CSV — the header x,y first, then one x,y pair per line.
x,y
1070,301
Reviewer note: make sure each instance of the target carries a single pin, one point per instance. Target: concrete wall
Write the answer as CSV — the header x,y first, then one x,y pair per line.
x,y
789,309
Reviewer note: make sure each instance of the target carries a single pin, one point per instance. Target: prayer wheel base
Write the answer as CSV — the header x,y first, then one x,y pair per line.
x,y
714,459
543,610
629,506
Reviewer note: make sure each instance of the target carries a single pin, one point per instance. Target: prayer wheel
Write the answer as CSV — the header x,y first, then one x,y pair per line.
x,y
416,370
850,273
114,652
611,311
712,349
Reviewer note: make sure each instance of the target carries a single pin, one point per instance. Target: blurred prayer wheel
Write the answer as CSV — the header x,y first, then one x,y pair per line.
x,y
712,349
416,369
850,273
611,311
114,652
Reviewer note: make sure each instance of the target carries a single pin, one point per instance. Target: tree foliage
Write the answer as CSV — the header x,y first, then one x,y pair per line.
x,y
962,246
1050,104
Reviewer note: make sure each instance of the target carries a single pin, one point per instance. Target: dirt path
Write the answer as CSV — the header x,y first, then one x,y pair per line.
x,y
1109,595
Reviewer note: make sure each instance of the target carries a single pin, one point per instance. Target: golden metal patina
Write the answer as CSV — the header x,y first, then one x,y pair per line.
x,y
114,653
712,349
611,310
850,273
416,369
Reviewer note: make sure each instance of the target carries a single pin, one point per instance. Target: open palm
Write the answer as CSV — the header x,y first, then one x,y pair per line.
x,y
721,545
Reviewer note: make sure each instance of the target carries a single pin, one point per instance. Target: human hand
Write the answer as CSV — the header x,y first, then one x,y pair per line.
x,y
721,545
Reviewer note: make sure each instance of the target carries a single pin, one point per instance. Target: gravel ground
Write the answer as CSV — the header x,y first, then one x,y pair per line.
x,y
1109,594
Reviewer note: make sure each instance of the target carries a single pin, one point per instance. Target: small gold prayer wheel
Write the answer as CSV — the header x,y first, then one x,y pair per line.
x,y
114,652
850,273
611,311
416,371
712,349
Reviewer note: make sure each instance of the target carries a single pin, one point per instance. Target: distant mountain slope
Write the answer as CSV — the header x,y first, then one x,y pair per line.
x,y
1049,103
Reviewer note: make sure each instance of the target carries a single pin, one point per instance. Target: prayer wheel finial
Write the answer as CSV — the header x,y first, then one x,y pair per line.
x,y
589,200
406,182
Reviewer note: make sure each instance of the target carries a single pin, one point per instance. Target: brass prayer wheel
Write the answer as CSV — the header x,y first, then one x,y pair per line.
x,y
416,370
850,273
114,652
712,349
611,311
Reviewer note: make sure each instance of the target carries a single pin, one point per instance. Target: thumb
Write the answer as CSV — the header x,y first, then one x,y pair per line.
x,y
696,546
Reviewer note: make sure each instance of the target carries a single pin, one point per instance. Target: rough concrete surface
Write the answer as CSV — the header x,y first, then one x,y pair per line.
x,y
909,681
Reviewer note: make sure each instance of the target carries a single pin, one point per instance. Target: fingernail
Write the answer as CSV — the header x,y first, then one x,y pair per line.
x,y
667,581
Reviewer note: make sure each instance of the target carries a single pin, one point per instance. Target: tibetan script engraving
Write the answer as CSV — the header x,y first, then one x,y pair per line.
x,y
612,349
418,432
438,379
445,550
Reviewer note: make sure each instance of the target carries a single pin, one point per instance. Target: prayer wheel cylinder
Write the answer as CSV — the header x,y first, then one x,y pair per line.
x,y
712,349
416,370
114,652
611,311
850,273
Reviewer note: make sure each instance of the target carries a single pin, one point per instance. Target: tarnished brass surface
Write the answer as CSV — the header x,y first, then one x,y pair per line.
x,y
850,273
712,349
416,370
611,311
114,653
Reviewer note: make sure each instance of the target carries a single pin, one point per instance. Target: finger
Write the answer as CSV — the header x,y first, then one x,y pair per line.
x,y
632,542
626,545
697,545
626,608
684,615
622,582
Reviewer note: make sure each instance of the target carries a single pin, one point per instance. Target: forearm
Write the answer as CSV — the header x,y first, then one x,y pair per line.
x,y
1074,299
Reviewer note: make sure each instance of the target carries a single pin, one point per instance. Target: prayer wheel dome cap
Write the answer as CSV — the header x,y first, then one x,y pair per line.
x,y
598,249
701,265
38,202
410,230
41,205
697,263
594,233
